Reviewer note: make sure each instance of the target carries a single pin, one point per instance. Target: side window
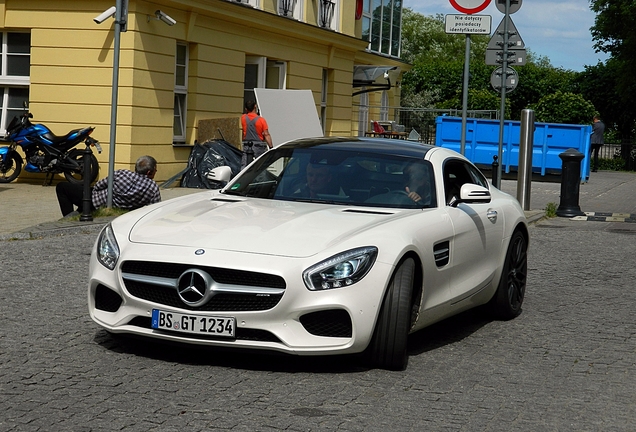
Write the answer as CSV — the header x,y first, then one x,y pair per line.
x,y
456,174
478,177
15,60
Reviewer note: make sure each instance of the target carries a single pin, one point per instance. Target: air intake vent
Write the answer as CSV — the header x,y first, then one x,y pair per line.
x,y
442,253
106,299
329,323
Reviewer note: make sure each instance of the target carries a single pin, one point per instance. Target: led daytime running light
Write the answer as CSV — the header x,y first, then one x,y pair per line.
x,y
341,270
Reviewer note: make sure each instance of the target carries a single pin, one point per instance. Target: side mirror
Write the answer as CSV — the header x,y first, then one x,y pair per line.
x,y
472,194
221,174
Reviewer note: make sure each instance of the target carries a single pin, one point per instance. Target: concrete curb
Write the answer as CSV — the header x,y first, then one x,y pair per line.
x,y
57,229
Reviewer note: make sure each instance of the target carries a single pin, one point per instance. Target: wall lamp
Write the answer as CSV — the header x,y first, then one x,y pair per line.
x,y
326,12
160,15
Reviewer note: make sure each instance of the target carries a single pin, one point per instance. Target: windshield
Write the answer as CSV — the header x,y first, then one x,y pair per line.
x,y
348,177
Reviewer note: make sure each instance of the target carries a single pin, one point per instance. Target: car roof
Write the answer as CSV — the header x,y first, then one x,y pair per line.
x,y
373,145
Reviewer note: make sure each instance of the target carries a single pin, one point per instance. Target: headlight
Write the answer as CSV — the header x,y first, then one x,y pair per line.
x,y
340,270
107,248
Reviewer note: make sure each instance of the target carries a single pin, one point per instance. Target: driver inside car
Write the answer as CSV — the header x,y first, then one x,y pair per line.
x,y
418,186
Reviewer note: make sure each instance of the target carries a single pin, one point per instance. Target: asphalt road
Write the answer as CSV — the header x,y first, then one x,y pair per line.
x,y
568,363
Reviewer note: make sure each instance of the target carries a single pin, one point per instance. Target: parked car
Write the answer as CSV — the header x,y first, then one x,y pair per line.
x,y
320,246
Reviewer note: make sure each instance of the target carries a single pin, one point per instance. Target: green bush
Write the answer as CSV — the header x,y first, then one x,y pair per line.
x,y
615,164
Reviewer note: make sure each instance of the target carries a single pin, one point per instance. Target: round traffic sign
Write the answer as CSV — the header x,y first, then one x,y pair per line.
x,y
470,6
511,79
514,6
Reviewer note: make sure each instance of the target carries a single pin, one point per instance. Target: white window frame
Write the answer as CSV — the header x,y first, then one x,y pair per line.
x,y
253,3
8,82
368,16
181,95
261,64
296,9
384,106
264,75
363,114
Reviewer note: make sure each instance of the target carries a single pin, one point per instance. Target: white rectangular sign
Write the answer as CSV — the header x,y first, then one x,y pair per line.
x,y
468,24
290,114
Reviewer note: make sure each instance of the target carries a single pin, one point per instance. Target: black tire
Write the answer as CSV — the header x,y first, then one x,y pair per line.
x,y
387,349
10,169
507,301
77,177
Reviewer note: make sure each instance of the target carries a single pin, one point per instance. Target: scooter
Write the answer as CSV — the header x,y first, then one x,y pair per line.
x,y
46,152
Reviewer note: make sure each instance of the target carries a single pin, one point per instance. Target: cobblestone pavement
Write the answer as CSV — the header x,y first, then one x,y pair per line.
x,y
567,363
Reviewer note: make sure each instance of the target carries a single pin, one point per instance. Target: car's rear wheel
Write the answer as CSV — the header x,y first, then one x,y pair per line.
x,y
507,301
388,347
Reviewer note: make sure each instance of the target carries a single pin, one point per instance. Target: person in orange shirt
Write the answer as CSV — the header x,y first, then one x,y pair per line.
x,y
255,132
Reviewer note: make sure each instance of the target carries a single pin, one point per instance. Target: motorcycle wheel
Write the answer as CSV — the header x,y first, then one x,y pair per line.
x,y
10,169
78,175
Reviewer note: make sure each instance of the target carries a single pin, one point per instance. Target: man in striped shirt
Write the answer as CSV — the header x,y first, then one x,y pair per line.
x,y
131,190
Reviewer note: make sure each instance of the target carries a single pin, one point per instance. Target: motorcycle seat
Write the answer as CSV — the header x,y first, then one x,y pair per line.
x,y
74,135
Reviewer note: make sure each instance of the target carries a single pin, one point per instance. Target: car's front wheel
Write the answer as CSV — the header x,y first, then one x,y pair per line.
x,y
388,347
507,301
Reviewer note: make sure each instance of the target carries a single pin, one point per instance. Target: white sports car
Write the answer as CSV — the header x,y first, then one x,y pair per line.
x,y
320,246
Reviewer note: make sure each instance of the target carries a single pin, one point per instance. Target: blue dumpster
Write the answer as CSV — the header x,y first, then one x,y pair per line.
x,y
482,143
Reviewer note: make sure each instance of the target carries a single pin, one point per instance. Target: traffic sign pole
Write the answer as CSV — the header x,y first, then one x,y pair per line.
x,y
467,7
503,95
465,95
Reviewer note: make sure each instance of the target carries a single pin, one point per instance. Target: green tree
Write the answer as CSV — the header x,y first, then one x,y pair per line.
x,y
436,79
614,32
438,60
562,107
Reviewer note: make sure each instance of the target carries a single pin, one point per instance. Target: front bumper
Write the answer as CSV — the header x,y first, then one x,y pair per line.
x,y
303,322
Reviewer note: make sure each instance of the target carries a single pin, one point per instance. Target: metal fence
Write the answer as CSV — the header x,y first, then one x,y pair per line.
x,y
419,120
618,156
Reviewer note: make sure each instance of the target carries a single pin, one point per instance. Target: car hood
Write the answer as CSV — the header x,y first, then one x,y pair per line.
x,y
259,226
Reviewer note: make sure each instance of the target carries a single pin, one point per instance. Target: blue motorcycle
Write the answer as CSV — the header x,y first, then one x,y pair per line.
x,y
46,152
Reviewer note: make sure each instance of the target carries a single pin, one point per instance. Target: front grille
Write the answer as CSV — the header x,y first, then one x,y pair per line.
x,y
221,275
329,323
106,299
221,302
241,333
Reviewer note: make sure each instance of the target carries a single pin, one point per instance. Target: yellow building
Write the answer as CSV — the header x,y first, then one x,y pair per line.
x,y
185,62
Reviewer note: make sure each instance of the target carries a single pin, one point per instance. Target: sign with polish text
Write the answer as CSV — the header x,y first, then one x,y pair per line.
x,y
468,24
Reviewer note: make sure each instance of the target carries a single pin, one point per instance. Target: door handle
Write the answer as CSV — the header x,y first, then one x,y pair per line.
x,y
492,215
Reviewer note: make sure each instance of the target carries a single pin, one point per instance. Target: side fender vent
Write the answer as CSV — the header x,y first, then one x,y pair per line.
x,y
441,251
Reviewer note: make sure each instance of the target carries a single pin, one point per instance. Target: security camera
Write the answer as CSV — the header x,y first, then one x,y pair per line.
x,y
386,75
165,18
105,15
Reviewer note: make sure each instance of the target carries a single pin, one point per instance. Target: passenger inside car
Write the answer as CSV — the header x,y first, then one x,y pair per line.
x,y
320,181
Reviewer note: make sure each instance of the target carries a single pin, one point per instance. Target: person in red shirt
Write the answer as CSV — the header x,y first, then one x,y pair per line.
x,y
255,132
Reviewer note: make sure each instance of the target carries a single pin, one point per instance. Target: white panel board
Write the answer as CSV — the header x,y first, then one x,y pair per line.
x,y
290,114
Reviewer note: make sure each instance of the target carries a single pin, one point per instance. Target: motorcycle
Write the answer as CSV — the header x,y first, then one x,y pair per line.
x,y
46,152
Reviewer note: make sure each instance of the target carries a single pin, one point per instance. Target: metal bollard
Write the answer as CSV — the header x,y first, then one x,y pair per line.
x,y
495,168
526,141
570,183
87,216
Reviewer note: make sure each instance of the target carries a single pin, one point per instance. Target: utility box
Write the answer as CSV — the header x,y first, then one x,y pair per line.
x,y
482,143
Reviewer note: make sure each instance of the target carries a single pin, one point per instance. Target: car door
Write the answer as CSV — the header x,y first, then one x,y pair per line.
x,y
478,231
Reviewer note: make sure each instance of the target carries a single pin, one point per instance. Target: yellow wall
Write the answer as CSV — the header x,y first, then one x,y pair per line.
x,y
72,68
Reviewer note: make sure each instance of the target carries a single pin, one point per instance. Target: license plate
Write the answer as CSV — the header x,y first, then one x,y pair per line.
x,y
193,324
